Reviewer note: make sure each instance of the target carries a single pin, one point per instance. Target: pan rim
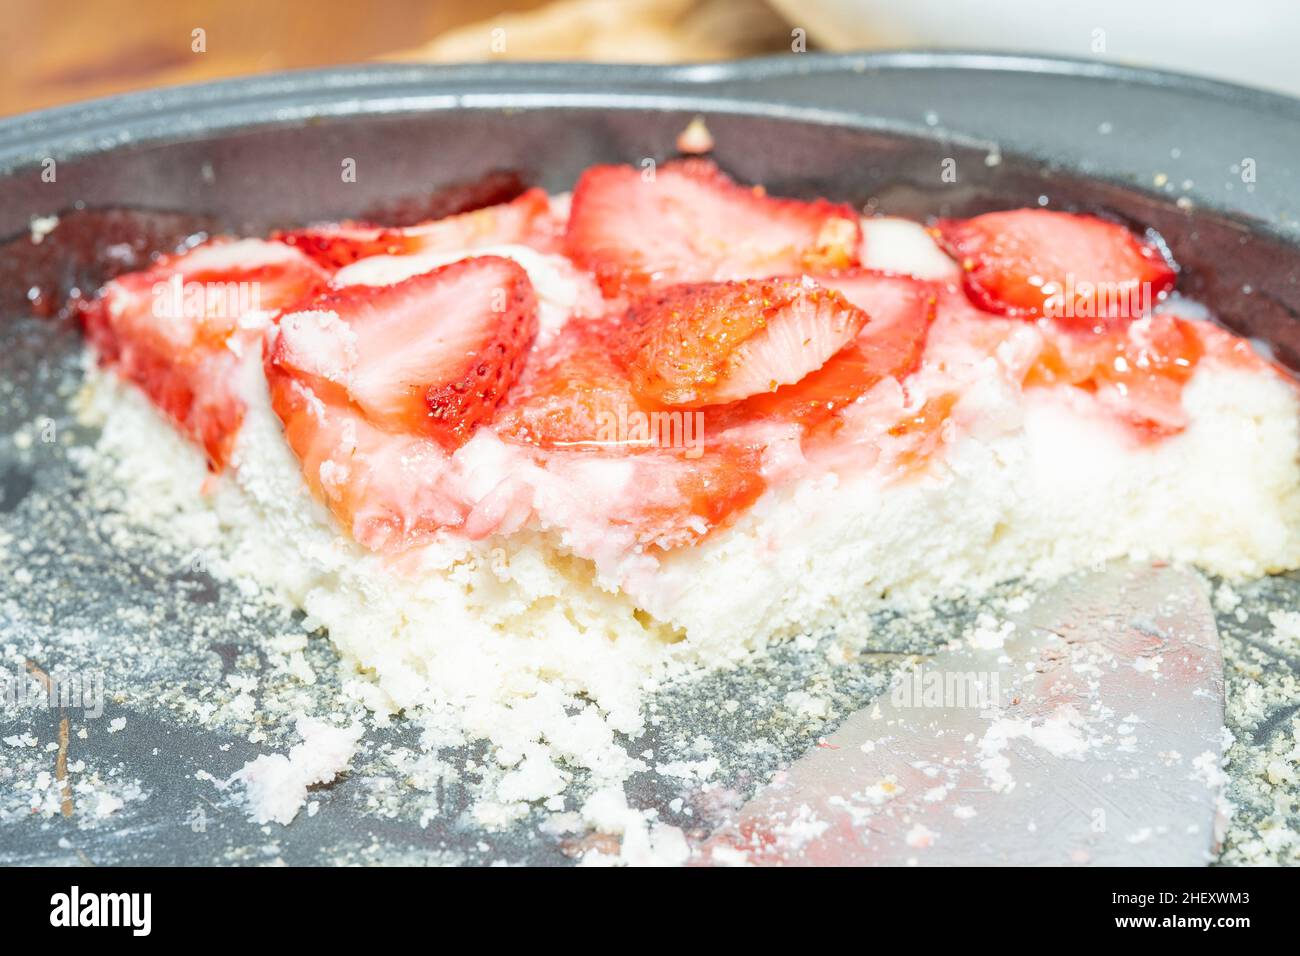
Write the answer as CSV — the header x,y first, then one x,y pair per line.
x,y
139,116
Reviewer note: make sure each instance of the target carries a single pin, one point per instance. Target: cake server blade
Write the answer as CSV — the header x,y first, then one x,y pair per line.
x,y
1085,730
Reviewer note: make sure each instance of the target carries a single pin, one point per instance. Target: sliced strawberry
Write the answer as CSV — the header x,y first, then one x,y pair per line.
x,y
431,355
570,396
1137,371
899,310
384,488
571,393
1033,262
679,500
177,329
522,220
578,385
690,223
718,342
198,298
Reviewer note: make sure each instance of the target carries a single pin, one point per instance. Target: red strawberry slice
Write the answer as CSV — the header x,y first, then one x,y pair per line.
x,y
725,480
384,488
899,311
522,220
690,223
566,398
1034,262
431,355
576,398
679,500
718,342
197,299
570,395
1137,371
178,328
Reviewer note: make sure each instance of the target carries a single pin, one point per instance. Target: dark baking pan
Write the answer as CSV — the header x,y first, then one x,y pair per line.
x,y
1210,167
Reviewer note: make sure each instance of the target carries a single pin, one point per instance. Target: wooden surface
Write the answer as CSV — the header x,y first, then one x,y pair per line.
x,y
59,51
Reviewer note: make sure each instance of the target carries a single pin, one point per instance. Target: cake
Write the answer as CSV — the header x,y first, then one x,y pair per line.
x,y
523,462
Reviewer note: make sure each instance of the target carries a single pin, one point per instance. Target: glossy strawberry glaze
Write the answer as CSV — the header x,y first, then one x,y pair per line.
x,y
573,449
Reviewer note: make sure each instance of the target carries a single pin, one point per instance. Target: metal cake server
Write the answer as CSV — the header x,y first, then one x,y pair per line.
x,y
1087,730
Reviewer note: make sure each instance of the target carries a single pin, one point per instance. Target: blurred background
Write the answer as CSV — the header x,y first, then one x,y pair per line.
x,y
57,51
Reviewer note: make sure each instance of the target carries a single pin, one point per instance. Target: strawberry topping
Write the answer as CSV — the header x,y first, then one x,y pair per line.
x,y
1137,371
376,385
736,337
687,222
575,394
924,428
431,355
177,330
1034,262
719,342
688,498
581,395
899,310
384,488
523,220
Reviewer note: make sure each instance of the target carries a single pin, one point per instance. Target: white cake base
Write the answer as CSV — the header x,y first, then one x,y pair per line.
x,y
511,635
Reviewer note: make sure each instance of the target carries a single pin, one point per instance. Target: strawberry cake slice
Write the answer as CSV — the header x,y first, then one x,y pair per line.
x,y
522,459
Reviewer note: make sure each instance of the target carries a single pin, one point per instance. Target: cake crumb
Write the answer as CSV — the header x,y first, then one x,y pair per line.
x,y
276,785
695,139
